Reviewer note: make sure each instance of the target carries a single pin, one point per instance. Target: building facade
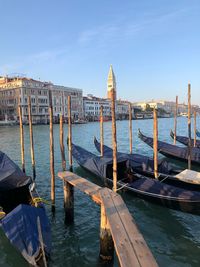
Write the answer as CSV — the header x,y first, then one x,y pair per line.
x,y
15,91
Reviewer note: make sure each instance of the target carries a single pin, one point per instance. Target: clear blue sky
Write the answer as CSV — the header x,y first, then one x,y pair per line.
x,y
153,45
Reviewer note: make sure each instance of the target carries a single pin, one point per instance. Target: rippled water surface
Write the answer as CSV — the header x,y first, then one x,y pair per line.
x,y
173,237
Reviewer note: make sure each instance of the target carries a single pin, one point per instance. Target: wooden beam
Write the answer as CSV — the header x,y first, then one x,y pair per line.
x,y
21,137
31,137
189,127
155,142
130,246
114,141
175,119
82,184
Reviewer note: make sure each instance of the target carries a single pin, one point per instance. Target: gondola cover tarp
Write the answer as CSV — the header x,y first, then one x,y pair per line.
x,y
20,227
11,176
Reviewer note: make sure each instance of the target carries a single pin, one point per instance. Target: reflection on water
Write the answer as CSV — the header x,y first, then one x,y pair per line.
x,y
173,237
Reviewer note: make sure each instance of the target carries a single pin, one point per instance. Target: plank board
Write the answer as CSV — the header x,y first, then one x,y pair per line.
x,y
130,246
189,176
82,184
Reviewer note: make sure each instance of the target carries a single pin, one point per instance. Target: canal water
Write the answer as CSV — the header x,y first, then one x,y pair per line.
x,y
173,236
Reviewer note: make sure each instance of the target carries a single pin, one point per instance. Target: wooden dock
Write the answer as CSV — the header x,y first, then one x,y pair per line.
x,y
117,222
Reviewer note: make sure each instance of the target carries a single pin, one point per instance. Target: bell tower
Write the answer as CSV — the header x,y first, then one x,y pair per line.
x,y
111,84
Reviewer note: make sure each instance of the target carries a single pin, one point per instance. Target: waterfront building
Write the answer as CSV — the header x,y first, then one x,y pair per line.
x,y
91,107
111,84
16,90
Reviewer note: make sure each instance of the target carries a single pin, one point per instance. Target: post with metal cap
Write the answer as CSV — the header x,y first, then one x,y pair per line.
x,y
114,141
155,142
175,119
130,127
101,129
189,126
67,187
51,153
21,137
31,137
195,127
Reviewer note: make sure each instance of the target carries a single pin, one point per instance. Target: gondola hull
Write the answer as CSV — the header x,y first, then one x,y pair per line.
x,y
166,171
21,216
173,151
143,187
184,140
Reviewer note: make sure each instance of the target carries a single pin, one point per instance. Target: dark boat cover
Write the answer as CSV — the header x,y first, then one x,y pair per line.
x,y
20,227
172,151
144,162
11,176
184,140
142,186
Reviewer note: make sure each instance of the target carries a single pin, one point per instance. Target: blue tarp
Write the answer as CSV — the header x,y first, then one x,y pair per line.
x,y
11,176
20,227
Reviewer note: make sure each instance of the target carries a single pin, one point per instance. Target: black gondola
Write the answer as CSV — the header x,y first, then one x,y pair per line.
x,y
184,140
143,187
166,171
23,217
173,151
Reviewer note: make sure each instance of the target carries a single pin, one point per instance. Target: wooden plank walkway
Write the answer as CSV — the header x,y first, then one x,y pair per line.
x,y
82,184
130,245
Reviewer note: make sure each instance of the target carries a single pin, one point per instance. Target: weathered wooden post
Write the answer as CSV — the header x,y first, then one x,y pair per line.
x,y
195,127
51,138
70,133
114,141
67,187
189,126
21,137
130,127
101,129
175,119
62,148
31,137
155,142
106,241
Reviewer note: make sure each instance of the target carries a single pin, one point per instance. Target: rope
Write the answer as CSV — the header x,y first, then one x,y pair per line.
x,y
37,200
122,186
164,179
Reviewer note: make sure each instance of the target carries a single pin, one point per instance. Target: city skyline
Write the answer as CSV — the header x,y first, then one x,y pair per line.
x,y
154,48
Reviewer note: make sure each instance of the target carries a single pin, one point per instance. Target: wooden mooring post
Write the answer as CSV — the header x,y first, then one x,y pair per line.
x,y
114,141
51,140
195,127
155,142
130,127
31,137
117,227
101,130
62,147
189,127
68,189
21,137
175,119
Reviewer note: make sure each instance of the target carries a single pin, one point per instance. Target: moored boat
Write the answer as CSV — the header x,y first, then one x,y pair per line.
x,y
167,172
184,140
23,217
173,151
143,187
